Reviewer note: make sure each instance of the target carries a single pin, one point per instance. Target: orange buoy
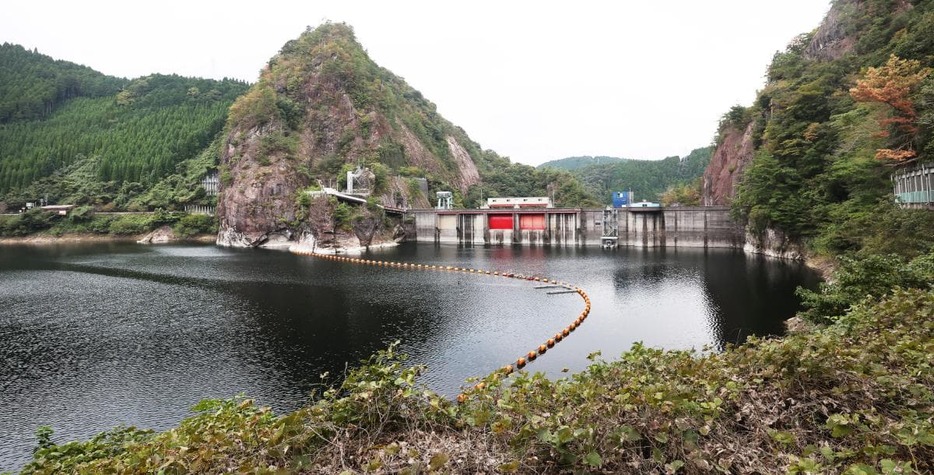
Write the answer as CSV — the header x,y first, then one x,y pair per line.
x,y
507,369
479,386
461,398
550,342
542,349
558,337
520,363
566,332
531,356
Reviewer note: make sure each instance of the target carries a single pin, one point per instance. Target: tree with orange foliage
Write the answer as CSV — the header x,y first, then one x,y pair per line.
x,y
893,84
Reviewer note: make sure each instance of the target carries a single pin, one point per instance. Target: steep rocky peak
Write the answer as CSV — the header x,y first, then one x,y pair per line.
x,y
320,105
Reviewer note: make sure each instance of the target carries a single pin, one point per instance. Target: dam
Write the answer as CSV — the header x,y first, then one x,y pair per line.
x,y
645,227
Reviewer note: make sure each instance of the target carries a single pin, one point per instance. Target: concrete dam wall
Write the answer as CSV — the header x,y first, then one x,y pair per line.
x,y
705,227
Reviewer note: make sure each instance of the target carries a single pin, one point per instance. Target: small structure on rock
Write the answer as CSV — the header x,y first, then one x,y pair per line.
x,y
360,181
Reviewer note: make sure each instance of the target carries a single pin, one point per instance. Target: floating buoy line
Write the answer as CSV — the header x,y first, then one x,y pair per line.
x,y
522,361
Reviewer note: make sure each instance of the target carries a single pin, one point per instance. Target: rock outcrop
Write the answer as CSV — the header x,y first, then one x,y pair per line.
x,y
162,235
734,151
774,243
320,107
836,37
830,40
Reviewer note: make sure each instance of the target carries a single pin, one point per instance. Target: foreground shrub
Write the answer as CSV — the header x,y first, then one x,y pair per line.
x,y
858,278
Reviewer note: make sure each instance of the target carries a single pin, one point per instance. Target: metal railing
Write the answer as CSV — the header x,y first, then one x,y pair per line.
x,y
914,187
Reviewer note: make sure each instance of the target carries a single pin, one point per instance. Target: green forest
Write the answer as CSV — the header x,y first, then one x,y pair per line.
x,y
516,179
573,163
72,135
647,179
33,85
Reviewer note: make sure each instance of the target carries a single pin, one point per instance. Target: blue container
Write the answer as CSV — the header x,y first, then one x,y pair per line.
x,y
621,199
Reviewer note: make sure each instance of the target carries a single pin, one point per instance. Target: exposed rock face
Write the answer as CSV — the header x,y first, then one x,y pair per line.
x,y
319,106
467,170
725,170
774,243
260,200
830,41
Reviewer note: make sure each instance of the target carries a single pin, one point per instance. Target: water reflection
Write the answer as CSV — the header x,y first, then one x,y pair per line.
x,y
97,335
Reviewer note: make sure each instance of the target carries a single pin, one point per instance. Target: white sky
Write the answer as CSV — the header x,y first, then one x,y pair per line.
x,y
532,80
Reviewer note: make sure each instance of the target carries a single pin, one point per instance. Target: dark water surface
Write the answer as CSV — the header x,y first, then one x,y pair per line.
x,y
97,335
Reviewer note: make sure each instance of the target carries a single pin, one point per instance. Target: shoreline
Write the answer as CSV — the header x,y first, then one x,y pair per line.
x,y
48,239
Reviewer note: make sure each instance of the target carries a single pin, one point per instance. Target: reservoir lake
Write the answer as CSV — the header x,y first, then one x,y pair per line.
x,y
96,335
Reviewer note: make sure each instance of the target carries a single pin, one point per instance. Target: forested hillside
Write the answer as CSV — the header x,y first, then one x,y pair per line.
x,y
843,107
648,179
118,137
33,85
573,163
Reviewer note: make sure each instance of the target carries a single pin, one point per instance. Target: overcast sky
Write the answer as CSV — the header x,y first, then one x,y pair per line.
x,y
532,80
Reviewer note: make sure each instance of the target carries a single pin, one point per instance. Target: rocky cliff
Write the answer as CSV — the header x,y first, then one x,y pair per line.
x,y
321,107
830,40
734,151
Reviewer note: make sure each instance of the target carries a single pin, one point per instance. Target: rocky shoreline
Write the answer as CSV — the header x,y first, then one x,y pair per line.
x,y
49,239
